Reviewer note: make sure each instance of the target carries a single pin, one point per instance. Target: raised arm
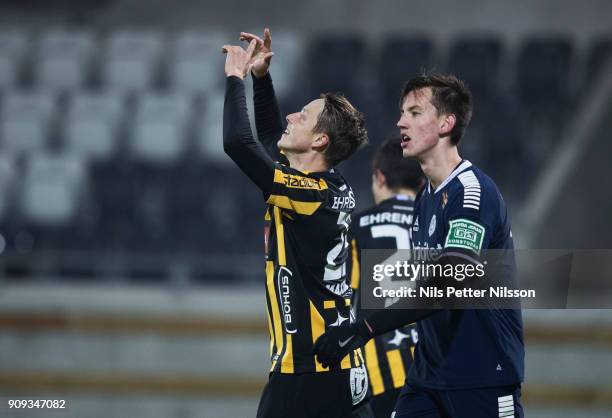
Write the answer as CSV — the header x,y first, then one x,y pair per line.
x,y
238,141
268,118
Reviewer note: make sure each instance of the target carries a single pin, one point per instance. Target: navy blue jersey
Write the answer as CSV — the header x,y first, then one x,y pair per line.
x,y
460,349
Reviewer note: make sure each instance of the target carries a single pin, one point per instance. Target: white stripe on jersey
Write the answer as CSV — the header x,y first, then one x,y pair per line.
x,y
471,190
463,166
505,406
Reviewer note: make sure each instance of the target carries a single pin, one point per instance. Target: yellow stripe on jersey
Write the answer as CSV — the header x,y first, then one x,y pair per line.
x,y
318,328
346,361
373,369
397,368
278,333
271,333
302,208
287,362
358,357
329,304
355,269
295,181
280,237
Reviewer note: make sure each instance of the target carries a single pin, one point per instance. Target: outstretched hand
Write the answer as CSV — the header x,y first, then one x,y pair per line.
x,y
331,347
263,52
238,62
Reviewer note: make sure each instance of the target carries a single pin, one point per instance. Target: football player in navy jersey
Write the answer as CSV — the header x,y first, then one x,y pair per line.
x,y
468,362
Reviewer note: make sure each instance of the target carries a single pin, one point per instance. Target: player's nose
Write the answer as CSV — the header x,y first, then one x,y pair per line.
x,y
290,117
401,123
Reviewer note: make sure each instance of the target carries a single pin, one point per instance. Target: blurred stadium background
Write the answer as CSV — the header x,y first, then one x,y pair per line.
x,y
130,246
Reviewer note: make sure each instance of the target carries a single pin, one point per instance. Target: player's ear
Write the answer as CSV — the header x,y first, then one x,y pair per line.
x,y
447,123
380,178
320,142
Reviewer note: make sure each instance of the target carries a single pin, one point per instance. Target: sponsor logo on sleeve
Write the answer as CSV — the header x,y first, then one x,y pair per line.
x,y
284,278
465,234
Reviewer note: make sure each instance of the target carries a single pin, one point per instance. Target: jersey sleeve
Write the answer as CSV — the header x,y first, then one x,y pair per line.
x,y
295,191
469,218
238,141
268,119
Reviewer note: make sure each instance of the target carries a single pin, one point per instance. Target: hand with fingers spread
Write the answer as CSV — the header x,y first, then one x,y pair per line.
x,y
263,52
238,62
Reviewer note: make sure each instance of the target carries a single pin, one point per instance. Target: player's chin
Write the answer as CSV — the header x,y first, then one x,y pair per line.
x,y
408,152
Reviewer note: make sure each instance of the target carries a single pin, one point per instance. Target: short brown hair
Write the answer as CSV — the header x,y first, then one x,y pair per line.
x,y
344,125
399,172
449,95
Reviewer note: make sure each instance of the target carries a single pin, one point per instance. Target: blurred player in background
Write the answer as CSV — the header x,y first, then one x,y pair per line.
x,y
309,207
468,362
395,183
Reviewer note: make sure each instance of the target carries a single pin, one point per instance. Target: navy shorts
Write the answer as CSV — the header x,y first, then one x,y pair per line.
x,y
493,402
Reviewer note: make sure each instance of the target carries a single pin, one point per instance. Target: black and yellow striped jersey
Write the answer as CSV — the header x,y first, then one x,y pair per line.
x,y
384,226
306,239
307,247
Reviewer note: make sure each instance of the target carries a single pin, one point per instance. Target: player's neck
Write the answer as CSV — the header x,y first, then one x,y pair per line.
x,y
405,192
384,194
307,162
439,165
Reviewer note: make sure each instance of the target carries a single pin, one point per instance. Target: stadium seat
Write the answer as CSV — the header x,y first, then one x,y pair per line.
x,y
477,61
207,215
149,223
209,135
543,72
198,63
505,153
160,127
13,48
92,124
335,62
286,70
64,58
51,189
26,120
8,176
402,58
132,59
114,191
600,52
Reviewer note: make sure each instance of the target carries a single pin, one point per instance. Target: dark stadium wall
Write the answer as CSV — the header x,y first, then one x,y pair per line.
x,y
444,18
580,218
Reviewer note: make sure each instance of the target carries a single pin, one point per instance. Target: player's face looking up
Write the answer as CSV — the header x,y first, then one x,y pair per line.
x,y
299,137
420,125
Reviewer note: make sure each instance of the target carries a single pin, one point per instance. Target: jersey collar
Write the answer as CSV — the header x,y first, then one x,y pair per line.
x,y
398,198
464,165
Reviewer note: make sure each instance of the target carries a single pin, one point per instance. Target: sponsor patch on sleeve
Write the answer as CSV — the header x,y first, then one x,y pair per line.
x,y
463,233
